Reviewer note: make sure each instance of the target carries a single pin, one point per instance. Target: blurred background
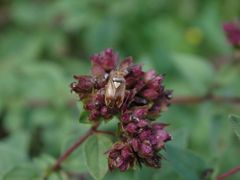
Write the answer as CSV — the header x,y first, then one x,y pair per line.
x,y
43,43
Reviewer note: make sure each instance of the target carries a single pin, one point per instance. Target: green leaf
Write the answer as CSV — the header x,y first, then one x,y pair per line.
x,y
117,175
211,24
10,157
83,116
197,71
43,163
235,120
95,157
227,77
22,173
185,163
180,138
74,162
144,173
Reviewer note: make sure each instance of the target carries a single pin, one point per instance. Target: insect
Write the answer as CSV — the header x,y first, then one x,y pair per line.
x,y
115,88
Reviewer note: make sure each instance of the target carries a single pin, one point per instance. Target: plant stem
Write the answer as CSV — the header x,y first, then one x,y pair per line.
x,y
69,151
229,173
104,132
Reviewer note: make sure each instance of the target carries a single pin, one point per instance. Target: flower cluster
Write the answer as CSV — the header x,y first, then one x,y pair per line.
x,y
232,30
143,98
142,146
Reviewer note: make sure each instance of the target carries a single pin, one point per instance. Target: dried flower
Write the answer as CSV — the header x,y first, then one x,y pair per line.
x,y
142,98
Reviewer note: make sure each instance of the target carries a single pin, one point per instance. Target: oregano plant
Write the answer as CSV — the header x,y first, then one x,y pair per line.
x,y
66,115
121,89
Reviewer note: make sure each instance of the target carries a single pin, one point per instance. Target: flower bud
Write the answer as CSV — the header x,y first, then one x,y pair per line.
x,y
145,135
126,117
142,123
134,143
106,112
155,83
127,62
150,94
120,156
136,71
131,128
153,161
140,112
106,60
146,149
149,75
84,84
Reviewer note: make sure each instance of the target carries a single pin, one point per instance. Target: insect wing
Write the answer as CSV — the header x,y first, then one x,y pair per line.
x,y
110,93
120,94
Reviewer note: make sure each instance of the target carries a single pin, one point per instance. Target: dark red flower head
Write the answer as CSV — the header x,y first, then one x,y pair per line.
x,y
136,97
232,30
143,89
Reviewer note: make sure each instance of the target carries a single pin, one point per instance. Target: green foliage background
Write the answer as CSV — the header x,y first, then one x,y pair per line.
x,y
43,43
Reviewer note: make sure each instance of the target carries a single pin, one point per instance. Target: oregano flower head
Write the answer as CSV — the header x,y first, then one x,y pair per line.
x,y
232,30
136,98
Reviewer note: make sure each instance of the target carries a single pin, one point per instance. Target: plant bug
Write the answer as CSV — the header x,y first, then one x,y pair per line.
x,y
115,88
